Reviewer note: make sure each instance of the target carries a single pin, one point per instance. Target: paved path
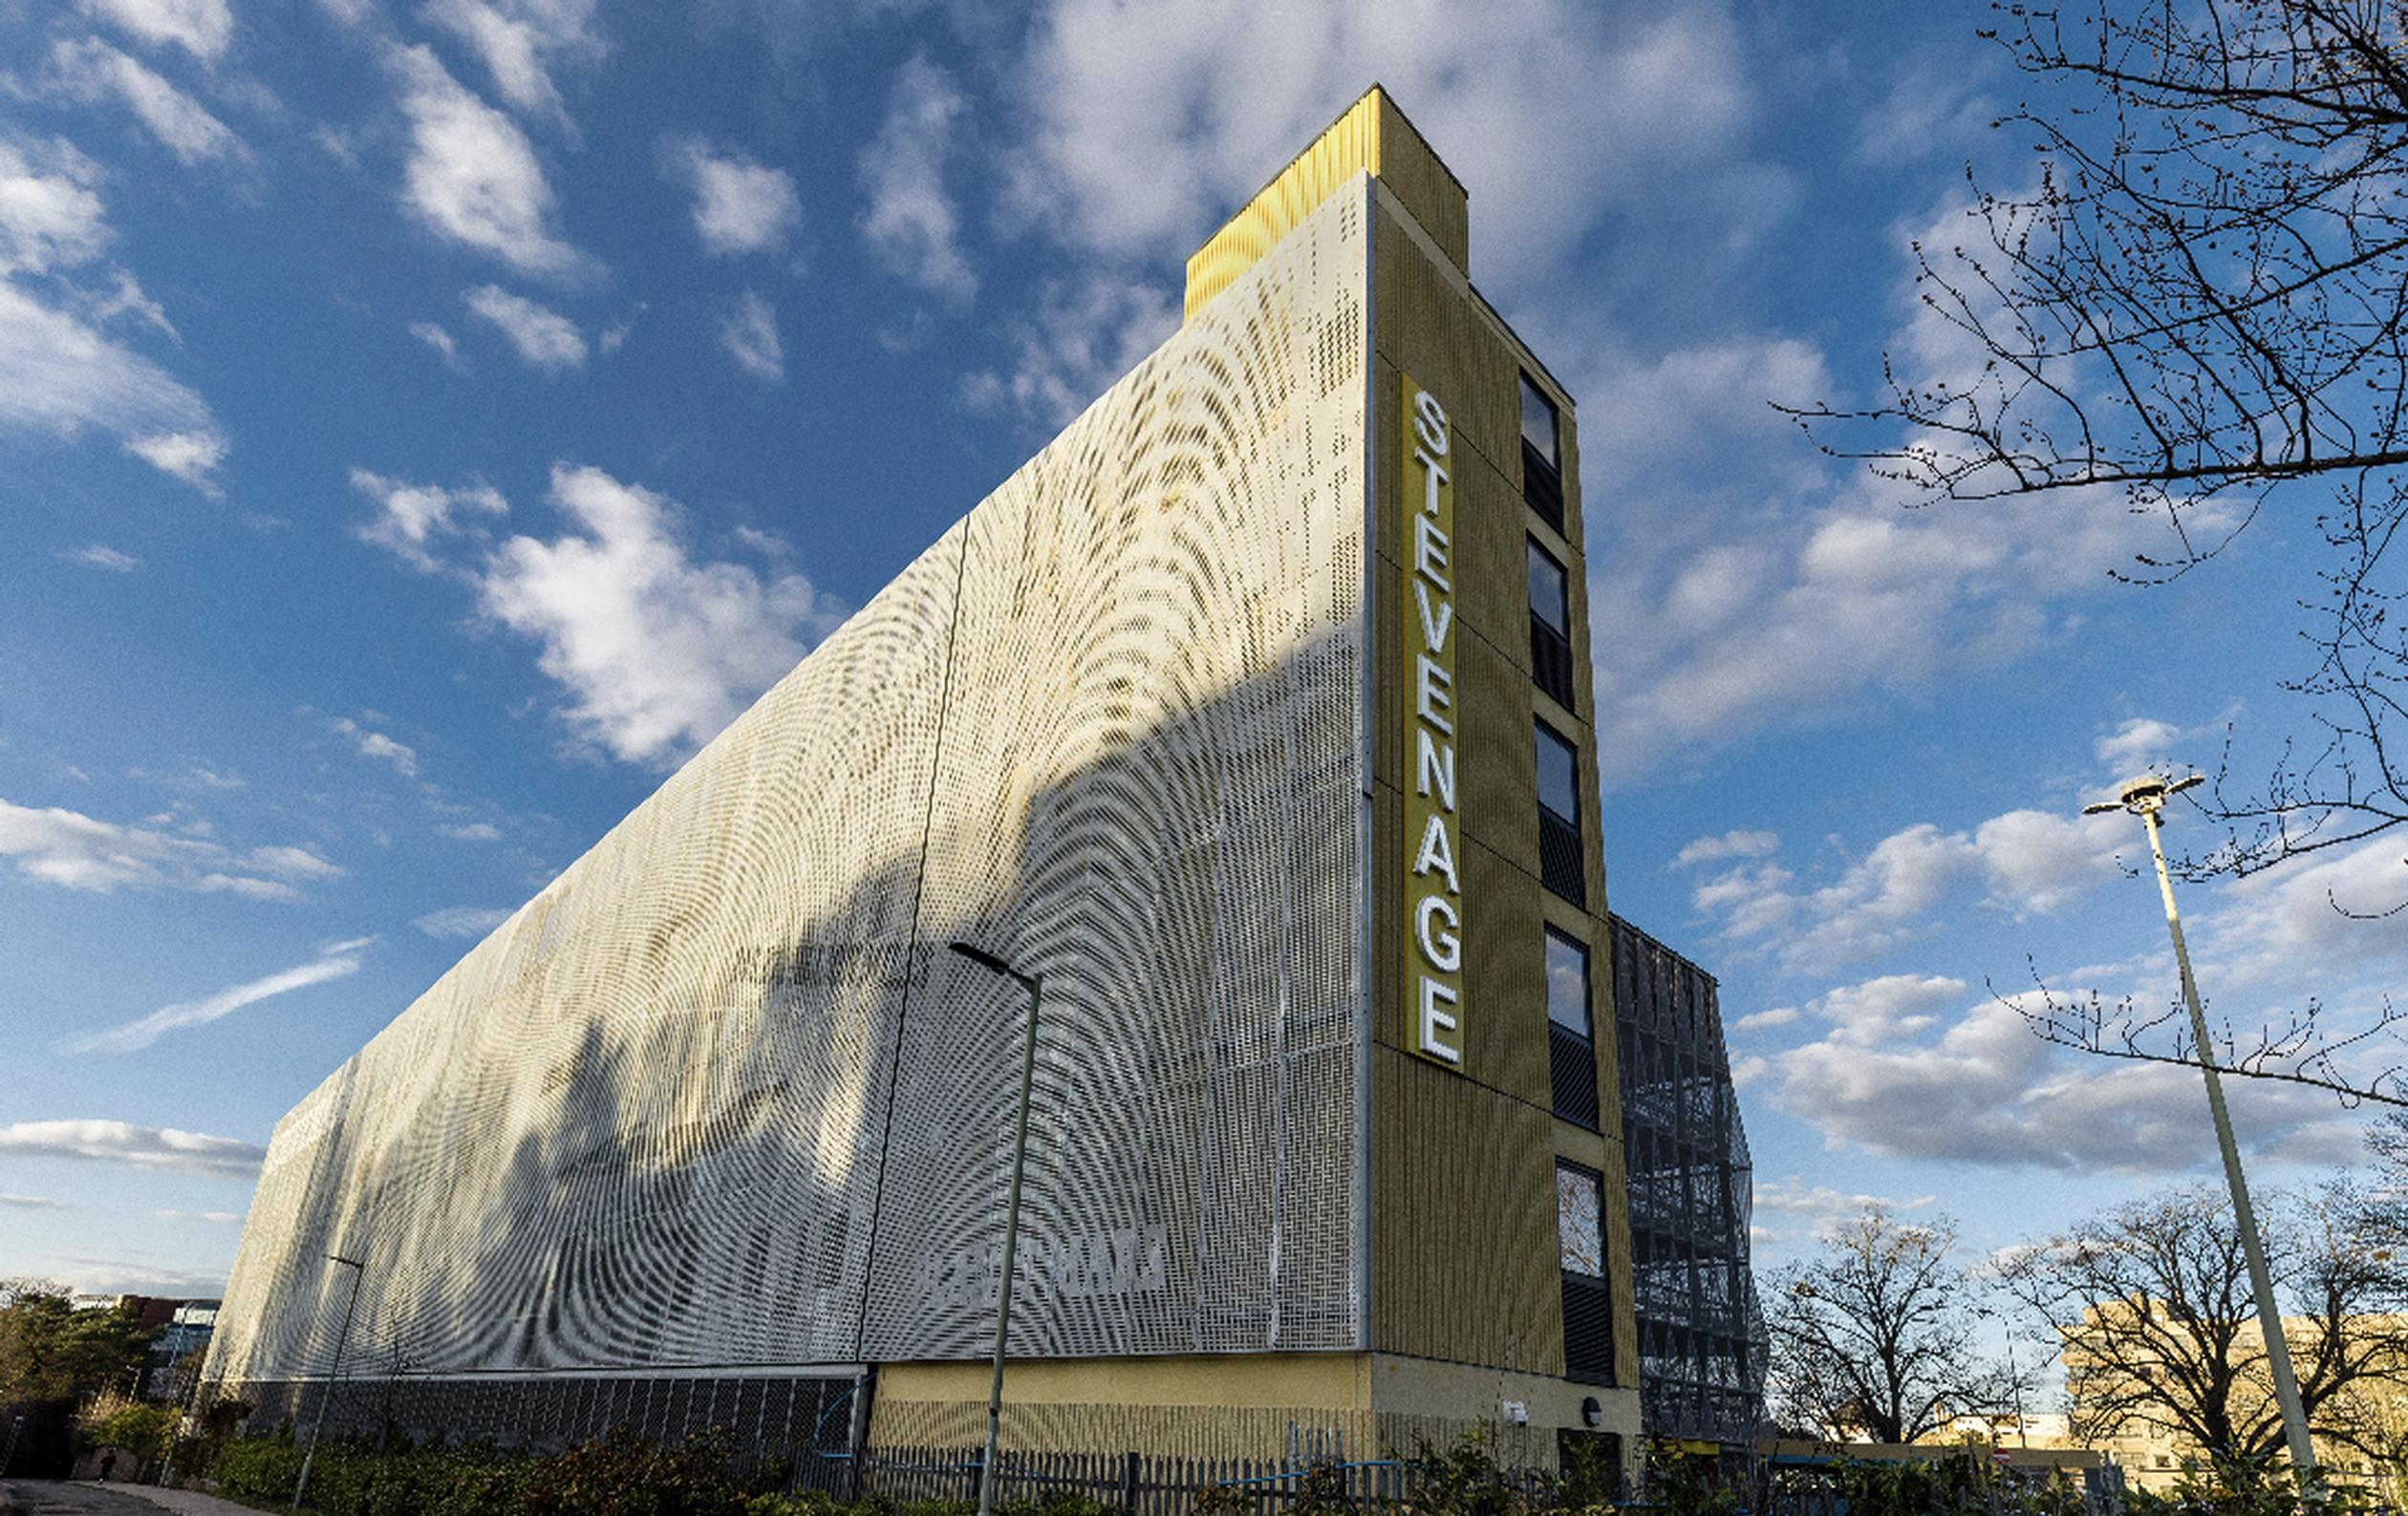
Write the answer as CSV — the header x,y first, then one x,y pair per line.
x,y
41,1498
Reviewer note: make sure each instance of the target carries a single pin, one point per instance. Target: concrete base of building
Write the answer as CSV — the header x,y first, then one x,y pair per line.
x,y
1276,1408
781,1410
1350,1406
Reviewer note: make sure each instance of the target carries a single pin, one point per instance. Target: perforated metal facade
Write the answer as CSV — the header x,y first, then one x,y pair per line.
x,y
719,1096
1702,1337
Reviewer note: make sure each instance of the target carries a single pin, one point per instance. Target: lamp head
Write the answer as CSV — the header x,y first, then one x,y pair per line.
x,y
2144,794
981,957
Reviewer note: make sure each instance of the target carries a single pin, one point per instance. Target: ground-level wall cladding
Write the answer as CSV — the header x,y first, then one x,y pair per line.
x,y
808,1419
718,1096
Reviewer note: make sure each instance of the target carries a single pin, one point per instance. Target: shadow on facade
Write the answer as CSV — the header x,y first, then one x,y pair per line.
x,y
698,1192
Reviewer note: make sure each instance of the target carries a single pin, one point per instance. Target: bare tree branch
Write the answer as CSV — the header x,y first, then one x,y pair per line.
x,y
2302,1049
2199,308
2152,1302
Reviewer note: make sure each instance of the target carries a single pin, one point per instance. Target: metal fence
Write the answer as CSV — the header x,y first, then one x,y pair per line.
x,y
1140,1484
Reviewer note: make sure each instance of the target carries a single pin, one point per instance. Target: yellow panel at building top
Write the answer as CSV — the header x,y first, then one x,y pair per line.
x,y
1372,137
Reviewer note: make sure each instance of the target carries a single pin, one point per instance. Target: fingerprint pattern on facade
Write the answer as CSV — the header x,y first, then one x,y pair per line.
x,y
720,1097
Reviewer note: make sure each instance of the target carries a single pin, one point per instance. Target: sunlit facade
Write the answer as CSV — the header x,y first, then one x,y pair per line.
x,y
1252,714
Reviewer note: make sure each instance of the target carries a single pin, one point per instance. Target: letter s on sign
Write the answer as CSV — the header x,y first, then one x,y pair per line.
x,y
1429,423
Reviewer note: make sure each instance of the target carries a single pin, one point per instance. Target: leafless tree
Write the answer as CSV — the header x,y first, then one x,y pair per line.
x,y
2358,1063
1876,1335
2152,1302
2199,305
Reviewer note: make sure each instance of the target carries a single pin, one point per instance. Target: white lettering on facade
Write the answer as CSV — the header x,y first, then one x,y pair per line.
x,y
1433,947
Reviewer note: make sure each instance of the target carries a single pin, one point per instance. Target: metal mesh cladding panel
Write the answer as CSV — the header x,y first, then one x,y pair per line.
x,y
1701,1341
720,1095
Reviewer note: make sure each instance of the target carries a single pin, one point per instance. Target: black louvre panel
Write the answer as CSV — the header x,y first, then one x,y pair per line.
x,y
1588,1330
1559,857
1572,1067
1551,661
1542,487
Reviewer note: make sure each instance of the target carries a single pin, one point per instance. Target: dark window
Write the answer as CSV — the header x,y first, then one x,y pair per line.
x,y
1542,466
1559,816
1567,983
1550,626
1548,601
1571,1055
1588,1304
1539,423
1558,775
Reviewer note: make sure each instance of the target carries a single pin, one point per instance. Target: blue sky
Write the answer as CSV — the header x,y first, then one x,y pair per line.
x,y
421,424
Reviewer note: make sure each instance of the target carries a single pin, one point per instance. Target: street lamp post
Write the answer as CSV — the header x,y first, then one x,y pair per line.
x,y
191,1408
16,1424
301,1485
2145,796
1011,1213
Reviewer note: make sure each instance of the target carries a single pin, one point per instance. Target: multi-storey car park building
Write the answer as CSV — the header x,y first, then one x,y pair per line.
x,y
1702,1334
1246,715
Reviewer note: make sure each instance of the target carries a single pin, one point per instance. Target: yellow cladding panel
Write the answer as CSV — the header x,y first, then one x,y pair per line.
x,y
1332,1381
1372,137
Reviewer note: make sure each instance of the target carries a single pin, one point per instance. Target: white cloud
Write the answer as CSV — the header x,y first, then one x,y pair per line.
x,y
92,71
2145,744
247,887
2322,919
740,206
1790,619
30,1202
473,832
127,299
102,1275
1636,410
1083,337
1898,1076
1822,1207
190,456
51,216
912,222
99,555
60,374
202,28
76,851
2025,862
157,1147
296,863
750,336
1755,584
1153,123
1729,844
521,42
2039,861
214,1218
376,745
1780,1016
413,519
472,176
435,336
544,337
138,1033
1930,108
460,920
656,651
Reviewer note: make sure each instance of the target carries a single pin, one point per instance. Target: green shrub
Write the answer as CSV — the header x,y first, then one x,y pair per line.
x,y
137,1426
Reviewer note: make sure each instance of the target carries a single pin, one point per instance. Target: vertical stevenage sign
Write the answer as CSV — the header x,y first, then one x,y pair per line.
x,y
1433,886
